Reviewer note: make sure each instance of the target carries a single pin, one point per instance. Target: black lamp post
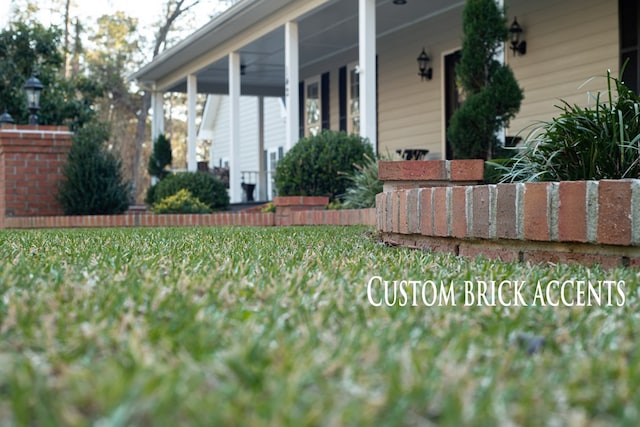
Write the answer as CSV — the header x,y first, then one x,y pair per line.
x,y
33,89
423,66
6,118
517,45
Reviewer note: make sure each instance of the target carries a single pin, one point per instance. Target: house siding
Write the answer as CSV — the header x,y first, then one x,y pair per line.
x,y
274,130
568,43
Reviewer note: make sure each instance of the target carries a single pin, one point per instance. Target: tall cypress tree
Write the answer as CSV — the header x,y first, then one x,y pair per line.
x,y
492,94
161,157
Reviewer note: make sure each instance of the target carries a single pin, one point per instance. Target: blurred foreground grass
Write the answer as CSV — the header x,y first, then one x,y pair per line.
x,y
274,327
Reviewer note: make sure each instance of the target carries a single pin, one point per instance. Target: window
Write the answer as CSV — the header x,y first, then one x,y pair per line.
x,y
313,119
354,100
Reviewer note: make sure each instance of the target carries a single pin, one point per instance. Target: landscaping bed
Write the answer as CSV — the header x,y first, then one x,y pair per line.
x,y
279,326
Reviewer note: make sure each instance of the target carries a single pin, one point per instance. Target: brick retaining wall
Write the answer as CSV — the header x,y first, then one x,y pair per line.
x,y
582,221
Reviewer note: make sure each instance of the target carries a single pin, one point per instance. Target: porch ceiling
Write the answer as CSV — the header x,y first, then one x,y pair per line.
x,y
324,32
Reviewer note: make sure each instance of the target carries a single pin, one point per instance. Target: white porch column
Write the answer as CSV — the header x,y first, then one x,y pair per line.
x,y
157,115
192,89
500,57
235,191
291,78
262,176
367,44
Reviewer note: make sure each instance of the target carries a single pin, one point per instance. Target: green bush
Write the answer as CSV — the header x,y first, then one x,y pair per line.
x,y
160,158
319,165
182,202
601,141
93,182
364,185
207,188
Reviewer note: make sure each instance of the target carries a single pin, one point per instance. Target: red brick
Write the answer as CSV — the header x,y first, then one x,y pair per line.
x,y
413,211
572,211
481,221
489,251
459,212
426,212
403,220
334,217
536,217
440,212
395,211
506,211
614,212
380,210
412,170
466,170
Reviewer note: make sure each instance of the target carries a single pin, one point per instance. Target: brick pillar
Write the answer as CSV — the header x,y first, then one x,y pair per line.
x,y
31,163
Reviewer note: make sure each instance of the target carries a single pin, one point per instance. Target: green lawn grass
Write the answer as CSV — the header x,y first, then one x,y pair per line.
x,y
273,327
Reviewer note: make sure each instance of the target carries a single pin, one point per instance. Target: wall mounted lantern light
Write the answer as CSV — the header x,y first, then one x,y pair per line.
x,y
426,72
517,45
33,89
399,1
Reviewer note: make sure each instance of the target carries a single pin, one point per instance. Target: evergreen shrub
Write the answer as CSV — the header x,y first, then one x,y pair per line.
x,y
203,186
491,92
320,165
182,202
93,182
160,158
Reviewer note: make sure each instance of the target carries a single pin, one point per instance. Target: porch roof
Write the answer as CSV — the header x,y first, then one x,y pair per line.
x,y
255,29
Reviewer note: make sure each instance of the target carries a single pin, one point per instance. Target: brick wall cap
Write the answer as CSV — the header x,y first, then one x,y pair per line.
x,y
412,170
431,170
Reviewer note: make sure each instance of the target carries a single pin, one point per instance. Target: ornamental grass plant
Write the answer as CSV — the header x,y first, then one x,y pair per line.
x,y
600,141
364,185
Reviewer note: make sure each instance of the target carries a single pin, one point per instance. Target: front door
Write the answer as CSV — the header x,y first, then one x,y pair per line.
x,y
453,96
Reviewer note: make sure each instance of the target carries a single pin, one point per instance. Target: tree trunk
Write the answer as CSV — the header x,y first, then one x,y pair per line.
x,y
67,56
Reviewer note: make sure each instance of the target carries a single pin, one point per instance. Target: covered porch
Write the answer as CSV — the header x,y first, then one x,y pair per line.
x,y
264,48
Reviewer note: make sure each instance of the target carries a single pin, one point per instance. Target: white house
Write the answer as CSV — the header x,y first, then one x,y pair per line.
x,y
262,136
351,65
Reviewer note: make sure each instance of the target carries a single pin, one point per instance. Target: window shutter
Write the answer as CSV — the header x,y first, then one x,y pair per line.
x,y
342,101
301,108
324,101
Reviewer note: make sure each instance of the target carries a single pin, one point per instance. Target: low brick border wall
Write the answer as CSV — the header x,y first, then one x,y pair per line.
x,y
142,220
580,221
324,217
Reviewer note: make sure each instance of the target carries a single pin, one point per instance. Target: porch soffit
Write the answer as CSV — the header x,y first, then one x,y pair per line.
x,y
326,28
